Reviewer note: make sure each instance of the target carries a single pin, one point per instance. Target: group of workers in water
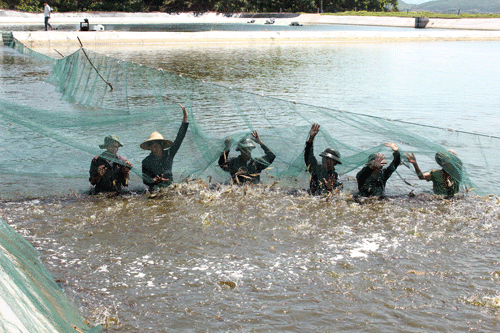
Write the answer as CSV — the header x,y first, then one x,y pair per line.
x,y
109,172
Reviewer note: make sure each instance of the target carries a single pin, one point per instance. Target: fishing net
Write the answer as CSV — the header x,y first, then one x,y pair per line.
x,y
30,299
111,96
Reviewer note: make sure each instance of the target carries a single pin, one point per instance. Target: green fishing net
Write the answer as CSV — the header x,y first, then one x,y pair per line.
x,y
30,299
112,96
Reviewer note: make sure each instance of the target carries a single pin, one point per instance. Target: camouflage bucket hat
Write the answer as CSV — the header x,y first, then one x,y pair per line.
x,y
332,154
450,163
246,144
108,140
441,158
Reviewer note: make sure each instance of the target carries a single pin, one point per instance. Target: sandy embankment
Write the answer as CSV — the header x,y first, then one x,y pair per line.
x,y
453,29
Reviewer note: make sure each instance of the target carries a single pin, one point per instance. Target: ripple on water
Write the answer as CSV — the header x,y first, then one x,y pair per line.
x,y
256,258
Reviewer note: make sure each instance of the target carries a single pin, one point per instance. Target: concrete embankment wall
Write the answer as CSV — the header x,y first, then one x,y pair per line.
x,y
460,29
8,17
434,23
32,39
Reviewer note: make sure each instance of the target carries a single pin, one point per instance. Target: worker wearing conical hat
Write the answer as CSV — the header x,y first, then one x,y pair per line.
x,y
157,166
245,168
324,178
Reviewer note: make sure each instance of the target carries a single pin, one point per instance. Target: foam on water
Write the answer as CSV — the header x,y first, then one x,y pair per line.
x,y
297,262
284,253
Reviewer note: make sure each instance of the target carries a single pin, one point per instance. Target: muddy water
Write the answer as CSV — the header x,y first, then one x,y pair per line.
x,y
201,258
260,259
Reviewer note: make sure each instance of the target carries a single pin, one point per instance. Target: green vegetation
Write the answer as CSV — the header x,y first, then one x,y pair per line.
x,y
222,6
433,9
415,14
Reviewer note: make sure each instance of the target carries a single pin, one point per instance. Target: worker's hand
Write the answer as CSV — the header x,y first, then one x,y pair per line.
x,y
411,157
330,183
159,179
447,182
391,145
256,137
184,113
127,166
314,130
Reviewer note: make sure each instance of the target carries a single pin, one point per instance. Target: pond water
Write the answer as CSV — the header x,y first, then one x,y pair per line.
x,y
259,25
264,259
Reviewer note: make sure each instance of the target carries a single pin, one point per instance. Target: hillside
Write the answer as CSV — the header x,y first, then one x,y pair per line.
x,y
453,6
403,6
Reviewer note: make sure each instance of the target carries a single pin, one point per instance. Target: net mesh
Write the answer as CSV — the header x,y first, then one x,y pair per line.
x,y
30,299
112,96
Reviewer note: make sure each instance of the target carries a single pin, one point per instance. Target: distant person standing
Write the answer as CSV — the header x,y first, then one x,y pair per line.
x,y
46,14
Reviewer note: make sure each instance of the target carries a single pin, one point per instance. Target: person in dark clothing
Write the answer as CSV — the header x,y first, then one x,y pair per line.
x,y
109,171
244,168
373,177
157,166
445,181
324,178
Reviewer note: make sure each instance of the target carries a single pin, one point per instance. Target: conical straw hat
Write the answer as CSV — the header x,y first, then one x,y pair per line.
x,y
156,137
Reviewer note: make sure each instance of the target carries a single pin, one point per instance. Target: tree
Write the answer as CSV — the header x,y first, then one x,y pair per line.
x,y
225,6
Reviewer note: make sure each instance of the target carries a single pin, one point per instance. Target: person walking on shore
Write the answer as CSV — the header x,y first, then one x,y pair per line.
x,y
46,14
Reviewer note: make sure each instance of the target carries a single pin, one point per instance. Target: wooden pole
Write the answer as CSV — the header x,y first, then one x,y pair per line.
x,y
109,84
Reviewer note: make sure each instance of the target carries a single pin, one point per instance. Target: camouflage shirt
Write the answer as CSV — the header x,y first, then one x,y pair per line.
x,y
318,172
115,176
251,169
372,183
153,166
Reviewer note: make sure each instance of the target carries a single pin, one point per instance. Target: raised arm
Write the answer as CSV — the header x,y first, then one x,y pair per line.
x,y
309,158
395,161
270,156
312,133
182,132
411,159
184,113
